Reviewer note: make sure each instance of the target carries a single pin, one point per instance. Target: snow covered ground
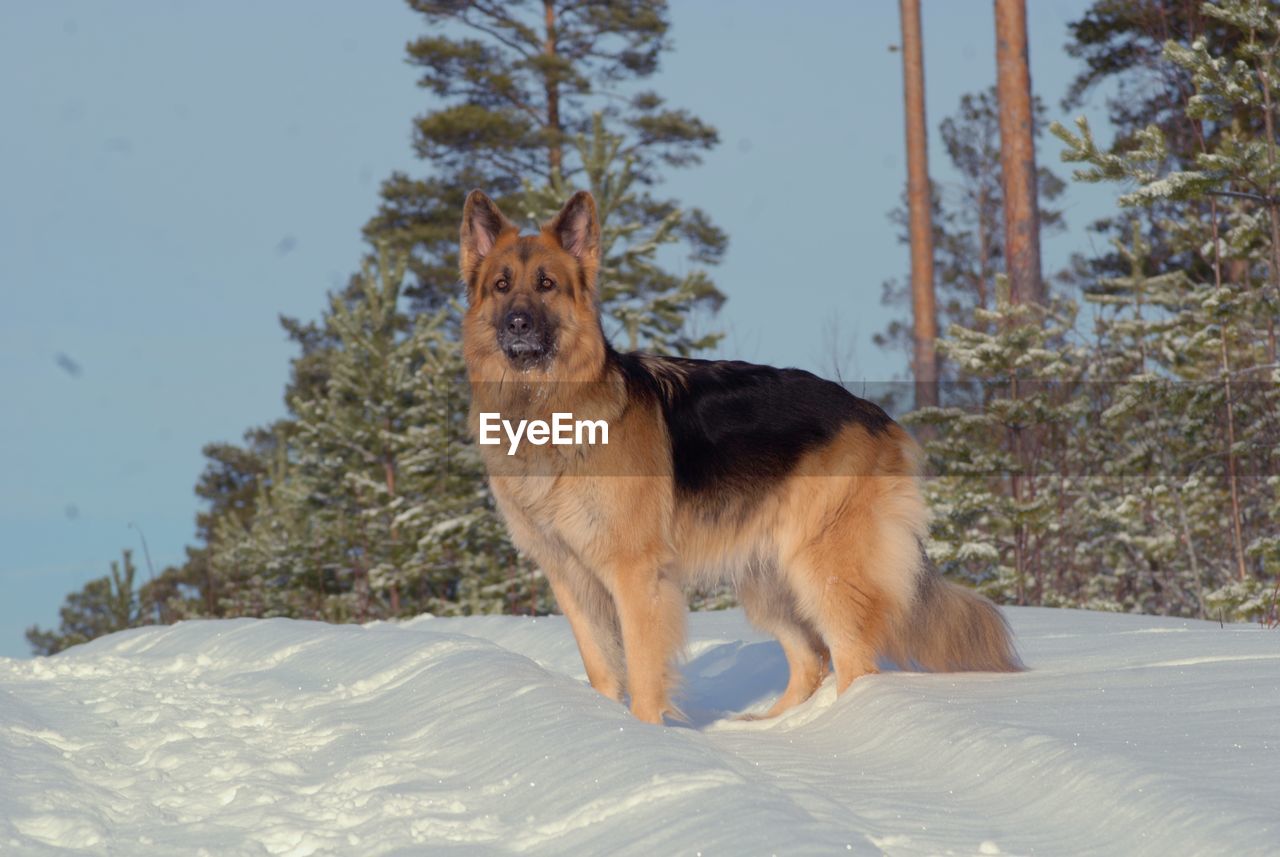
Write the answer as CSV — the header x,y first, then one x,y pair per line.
x,y
1129,735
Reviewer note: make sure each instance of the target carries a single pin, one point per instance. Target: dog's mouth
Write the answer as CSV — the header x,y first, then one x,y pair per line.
x,y
526,351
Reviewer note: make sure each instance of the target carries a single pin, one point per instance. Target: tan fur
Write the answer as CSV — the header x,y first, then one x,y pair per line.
x,y
951,629
830,564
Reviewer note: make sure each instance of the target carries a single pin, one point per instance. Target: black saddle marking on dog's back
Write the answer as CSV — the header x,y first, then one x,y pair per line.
x,y
738,428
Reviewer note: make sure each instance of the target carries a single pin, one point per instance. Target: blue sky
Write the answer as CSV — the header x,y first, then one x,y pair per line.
x,y
175,175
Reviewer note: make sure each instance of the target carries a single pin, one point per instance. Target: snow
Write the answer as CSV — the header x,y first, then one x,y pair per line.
x,y
1128,735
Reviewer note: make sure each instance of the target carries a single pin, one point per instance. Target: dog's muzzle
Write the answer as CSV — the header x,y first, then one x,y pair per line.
x,y
521,340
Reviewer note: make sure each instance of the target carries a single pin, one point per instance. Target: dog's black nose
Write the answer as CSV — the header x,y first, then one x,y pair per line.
x,y
519,323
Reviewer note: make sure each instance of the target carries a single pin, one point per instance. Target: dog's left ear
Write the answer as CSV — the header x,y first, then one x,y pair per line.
x,y
577,229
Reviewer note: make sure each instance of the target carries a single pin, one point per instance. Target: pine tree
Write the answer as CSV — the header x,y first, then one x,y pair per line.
x,y
229,485
271,564
1216,214
1134,472
1144,521
999,460
517,82
103,606
1121,46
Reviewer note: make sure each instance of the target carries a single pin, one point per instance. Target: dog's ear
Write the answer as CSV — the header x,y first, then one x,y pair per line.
x,y
577,229
482,223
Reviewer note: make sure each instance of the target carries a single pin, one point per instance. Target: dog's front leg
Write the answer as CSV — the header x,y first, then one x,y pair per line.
x,y
586,604
581,597
651,611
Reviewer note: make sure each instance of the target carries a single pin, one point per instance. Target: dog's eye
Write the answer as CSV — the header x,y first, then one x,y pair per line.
x,y
502,285
546,284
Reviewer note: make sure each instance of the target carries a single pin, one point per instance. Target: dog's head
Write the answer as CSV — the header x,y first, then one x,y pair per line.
x,y
531,299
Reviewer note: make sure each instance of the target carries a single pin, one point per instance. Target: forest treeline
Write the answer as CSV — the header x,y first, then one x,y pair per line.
x,y
1107,440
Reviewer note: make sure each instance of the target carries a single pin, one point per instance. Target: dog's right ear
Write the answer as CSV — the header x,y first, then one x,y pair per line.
x,y
482,223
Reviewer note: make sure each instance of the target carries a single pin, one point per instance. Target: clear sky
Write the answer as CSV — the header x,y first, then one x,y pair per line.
x,y
175,175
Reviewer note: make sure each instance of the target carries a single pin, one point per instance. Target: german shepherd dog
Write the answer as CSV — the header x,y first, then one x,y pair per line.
x,y
803,495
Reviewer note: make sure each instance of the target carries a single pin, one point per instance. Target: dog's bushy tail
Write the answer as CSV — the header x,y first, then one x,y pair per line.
x,y
949,628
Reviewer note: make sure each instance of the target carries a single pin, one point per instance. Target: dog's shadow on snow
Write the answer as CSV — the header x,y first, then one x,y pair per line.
x,y
731,678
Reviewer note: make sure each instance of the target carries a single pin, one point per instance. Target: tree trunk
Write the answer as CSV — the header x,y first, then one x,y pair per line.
x,y
984,252
1272,210
1189,541
1018,154
920,207
555,152
1225,358
389,473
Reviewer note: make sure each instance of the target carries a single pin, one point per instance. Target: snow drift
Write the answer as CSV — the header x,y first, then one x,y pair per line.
x,y
1133,735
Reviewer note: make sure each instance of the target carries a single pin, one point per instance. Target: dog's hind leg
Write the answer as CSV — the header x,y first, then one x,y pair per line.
x,y
854,627
846,609
771,607
856,576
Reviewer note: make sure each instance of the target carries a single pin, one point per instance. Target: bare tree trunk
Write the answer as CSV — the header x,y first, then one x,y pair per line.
x,y
1189,541
389,473
1274,266
555,152
984,253
1018,154
1021,207
210,596
920,207
1224,355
